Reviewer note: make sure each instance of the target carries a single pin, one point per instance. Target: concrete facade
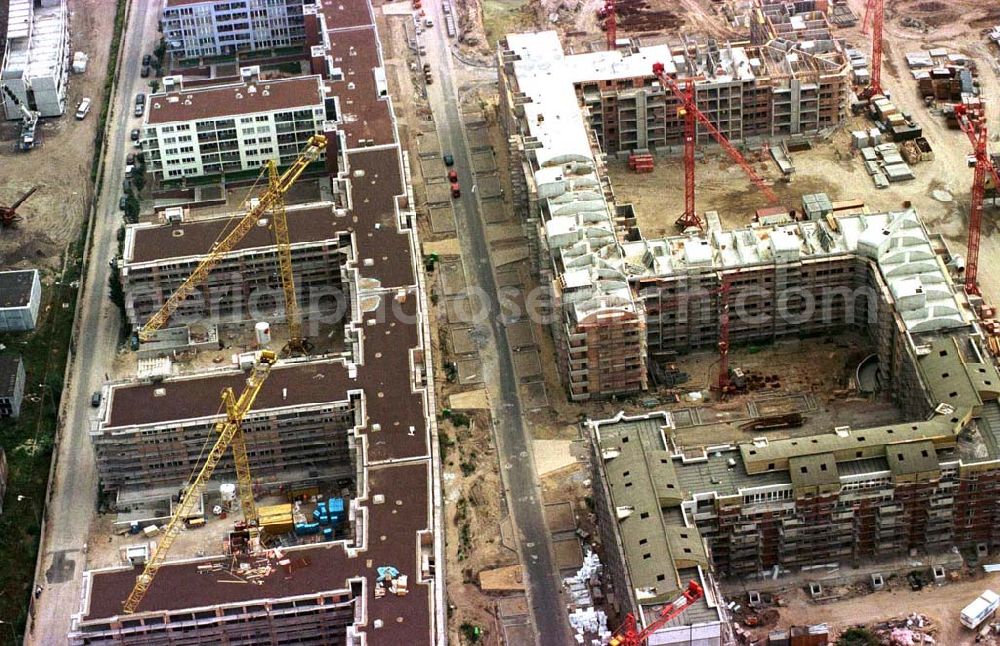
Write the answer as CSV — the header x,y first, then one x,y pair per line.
x,y
323,592
11,385
36,57
246,284
20,300
230,127
200,28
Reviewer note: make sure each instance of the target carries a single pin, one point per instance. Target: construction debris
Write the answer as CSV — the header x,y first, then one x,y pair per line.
x,y
589,624
391,581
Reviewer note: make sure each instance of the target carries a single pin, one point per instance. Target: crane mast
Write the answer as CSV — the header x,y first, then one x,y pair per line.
x,y
689,105
978,135
230,434
875,13
272,200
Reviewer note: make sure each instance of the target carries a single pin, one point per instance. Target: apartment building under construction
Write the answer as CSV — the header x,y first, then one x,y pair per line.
x,y
849,495
621,303
246,284
152,434
370,405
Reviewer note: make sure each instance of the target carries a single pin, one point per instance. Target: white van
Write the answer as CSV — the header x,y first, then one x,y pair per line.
x,y
83,108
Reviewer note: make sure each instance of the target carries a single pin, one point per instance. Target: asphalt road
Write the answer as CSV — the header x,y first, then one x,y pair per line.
x,y
513,440
73,503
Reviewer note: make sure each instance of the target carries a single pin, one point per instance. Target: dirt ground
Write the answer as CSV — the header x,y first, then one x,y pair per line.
x,y
60,167
942,604
484,22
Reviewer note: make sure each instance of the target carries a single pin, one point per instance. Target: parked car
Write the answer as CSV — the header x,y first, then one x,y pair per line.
x,y
95,399
428,22
129,169
453,176
122,201
449,160
147,59
456,191
83,108
130,158
135,135
126,185
140,104
146,70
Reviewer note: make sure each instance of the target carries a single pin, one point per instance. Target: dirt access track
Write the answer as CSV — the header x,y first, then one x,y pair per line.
x,y
60,167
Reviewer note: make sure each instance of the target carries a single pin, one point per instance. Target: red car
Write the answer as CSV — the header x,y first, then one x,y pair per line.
x,y
453,176
455,190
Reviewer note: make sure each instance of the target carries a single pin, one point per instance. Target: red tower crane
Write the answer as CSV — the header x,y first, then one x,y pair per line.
x,y
629,633
875,13
689,110
610,23
978,135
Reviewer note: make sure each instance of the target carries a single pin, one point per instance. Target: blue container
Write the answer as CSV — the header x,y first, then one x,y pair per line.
x,y
328,533
336,506
303,529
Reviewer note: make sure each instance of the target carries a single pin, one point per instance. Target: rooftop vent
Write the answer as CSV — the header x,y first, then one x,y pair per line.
x,y
160,392
624,511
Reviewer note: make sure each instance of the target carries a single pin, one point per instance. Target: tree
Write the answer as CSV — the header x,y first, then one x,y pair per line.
x,y
858,636
139,174
154,86
131,207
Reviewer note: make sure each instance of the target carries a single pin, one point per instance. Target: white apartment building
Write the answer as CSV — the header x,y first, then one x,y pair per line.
x,y
230,127
196,28
35,58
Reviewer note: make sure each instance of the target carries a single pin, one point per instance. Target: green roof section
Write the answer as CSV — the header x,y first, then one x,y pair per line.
x,y
641,479
916,459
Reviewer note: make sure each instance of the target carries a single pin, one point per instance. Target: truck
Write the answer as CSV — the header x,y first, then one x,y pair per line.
x,y
979,610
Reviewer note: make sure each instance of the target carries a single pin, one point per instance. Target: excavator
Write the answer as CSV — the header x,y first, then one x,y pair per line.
x,y
29,122
8,214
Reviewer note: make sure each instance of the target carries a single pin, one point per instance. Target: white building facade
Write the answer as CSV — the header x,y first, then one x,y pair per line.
x,y
20,300
35,58
194,28
231,127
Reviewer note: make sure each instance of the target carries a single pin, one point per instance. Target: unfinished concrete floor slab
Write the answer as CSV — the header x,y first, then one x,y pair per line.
x,y
569,555
489,186
469,371
461,341
442,218
520,334
534,396
451,277
458,310
428,145
484,163
559,517
438,193
527,364
479,137
494,211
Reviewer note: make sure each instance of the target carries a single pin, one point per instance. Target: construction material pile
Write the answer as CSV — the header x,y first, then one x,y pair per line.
x,y
911,630
390,581
590,625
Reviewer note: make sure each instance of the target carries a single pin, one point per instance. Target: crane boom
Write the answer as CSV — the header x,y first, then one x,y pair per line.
x,y
268,200
630,635
690,103
978,135
296,342
230,433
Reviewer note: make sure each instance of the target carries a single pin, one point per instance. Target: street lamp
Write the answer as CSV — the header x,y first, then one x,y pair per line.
x,y
34,510
10,625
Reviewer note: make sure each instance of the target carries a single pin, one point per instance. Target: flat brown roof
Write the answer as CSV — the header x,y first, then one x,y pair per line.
x,y
320,568
191,398
196,237
374,197
234,99
356,52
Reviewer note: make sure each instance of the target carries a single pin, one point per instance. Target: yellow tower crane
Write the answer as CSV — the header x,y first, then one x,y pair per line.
x,y
271,200
230,434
